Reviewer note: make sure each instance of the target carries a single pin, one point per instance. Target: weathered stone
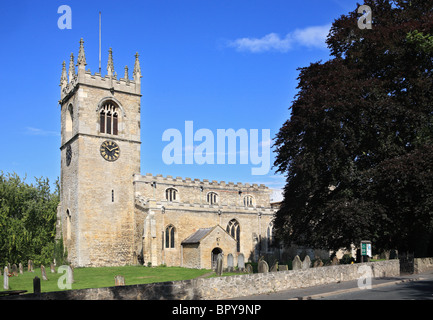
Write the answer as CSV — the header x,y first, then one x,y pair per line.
x,y
219,268
263,267
318,263
15,270
119,281
283,267
70,274
249,268
241,262
6,279
306,263
230,262
20,267
274,267
297,263
30,266
335,261
52,268
43,272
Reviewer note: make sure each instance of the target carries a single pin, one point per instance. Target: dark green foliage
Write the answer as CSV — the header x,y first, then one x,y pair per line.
x,y
357,150
28,216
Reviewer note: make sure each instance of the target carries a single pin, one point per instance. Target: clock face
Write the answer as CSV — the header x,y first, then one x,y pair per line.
x,y
68,155
110,151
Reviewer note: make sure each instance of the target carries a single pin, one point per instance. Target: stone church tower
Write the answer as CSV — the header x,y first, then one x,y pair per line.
x,y
100,153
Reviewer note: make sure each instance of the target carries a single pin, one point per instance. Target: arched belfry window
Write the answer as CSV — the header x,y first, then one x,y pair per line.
x,y
212,198
248,201
171,194
109,118
234,230
170,236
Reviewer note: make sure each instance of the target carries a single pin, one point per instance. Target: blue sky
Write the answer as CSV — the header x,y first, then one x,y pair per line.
x,y
221,64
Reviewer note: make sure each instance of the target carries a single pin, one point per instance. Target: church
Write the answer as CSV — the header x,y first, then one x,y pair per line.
x,y
112,215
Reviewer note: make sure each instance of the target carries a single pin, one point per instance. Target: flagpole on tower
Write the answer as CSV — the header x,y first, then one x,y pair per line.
x,y
100,26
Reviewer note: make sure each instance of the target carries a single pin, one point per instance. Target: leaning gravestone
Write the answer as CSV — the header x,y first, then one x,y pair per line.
x,y
263,267
249,268
274,268
44,274
296,263
119,281
6,279
70,274
306,263
230,263
219,268
30,266
241,262
318,263
15,270
335,261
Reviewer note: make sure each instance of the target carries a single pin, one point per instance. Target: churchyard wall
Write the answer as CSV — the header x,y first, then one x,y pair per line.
x,y
232,286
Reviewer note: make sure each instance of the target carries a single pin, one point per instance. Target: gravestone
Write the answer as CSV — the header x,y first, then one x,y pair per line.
x,y
70,274
44,274
263,267
119,281
9,267
219,268
6,279
249,268
241,262
52,268
318,263
20,266
306,263
274,267
283,267
335,261
230,263
30,266
15,270
297,263
36,285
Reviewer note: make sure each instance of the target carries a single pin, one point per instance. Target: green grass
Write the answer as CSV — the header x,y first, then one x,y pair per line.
x,y
103,277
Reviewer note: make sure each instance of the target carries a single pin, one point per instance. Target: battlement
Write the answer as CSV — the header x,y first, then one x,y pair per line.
x,y
150,178
72,78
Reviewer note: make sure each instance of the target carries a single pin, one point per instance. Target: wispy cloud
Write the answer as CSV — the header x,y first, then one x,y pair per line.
x,y
310,37
41,132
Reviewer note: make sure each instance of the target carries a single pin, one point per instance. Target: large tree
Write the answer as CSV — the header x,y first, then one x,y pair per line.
x,y
357,150
28,215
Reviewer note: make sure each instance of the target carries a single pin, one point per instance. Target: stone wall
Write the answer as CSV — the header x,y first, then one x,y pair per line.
x,y
228,287
422,264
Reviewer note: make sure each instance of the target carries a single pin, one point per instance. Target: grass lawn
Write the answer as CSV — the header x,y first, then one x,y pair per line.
x,y
103,277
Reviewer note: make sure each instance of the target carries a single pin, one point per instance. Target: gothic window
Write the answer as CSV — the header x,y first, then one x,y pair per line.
x,y
169,236
212,198
109,119
171,194
234,230
248,201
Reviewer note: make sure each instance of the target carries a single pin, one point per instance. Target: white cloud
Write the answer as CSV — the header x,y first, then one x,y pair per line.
x,y
310,37
41,132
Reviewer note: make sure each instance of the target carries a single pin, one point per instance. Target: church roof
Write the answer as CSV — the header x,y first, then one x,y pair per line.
x,y
197,236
